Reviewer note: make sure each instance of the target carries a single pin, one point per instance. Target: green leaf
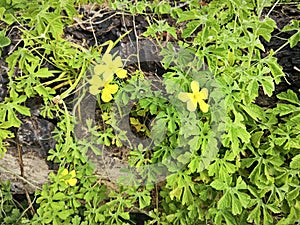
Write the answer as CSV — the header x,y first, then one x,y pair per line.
x,y
191,28
187,197
268,85
244,199
4,41
99,217
144,201
237,133
254,111
177,192
162,8
241,184
253,89
268,219
285,109
2,11
236,205
289,96
58,196
266,27
189,15
45,92
254,215
295,163
218,184
255,138
125,215
229,218
293,194
43,73
64,214
225,201
275,68
184,158
294,39
294,25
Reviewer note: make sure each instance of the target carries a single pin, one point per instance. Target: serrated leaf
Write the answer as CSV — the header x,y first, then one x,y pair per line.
x,y
177,192
244,199
268,219
230,220
253,89
268,85
285,109
254,111
99,217
289,96
266,27
187,197
184,158
218,184
241,184
236,205
43,73
225,201
254,215
294,24
144,201
294,39
162,8
275,68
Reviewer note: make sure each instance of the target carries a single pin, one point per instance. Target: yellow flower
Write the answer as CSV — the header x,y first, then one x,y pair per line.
x,y
96,83
108,91
110,67
71,180
196,97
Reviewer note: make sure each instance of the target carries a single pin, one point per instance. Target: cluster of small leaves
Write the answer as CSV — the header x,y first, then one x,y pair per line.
x,y
247,181
248,174
10,213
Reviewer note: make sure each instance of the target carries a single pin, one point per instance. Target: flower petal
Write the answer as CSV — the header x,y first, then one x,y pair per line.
x,y
191,105
108,75
195,86
203,106
64,172
72,181
96,81
112,88
106,95
107,59
73,173
203,94
121,73
118,62
94,90
99,69
183,96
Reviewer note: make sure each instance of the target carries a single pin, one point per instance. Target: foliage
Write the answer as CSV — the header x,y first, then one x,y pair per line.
x,y
230,161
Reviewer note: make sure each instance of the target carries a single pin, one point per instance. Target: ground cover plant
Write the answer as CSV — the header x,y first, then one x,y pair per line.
x,y
198,147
